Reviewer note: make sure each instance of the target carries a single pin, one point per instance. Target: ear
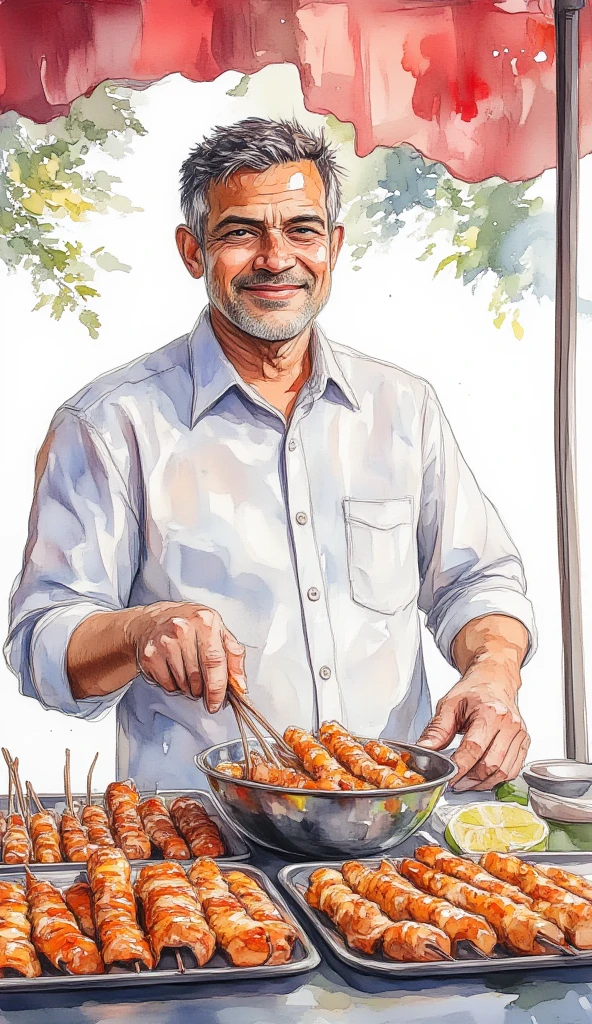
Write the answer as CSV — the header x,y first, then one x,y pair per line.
x,y
189,250
337,240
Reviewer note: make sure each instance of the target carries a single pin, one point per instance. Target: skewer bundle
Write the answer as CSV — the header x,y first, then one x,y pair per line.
x,y
502,900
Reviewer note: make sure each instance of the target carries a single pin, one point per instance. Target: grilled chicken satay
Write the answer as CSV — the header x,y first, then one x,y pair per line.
x,y
232,768
265,771
280,934
3,826
575,884
350,753
172,912
16,848
467,871
79,900
44,833
243,939
516,926
95,821
17,952
74,838
198,830
159,827
121,938
389,758
56,933
318,761
366,928
122,799
401,901
570,913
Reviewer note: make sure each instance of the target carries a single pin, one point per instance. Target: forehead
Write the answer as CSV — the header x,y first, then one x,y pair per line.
x,y
292,188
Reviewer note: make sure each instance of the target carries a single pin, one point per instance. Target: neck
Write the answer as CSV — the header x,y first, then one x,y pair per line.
x,y
276,369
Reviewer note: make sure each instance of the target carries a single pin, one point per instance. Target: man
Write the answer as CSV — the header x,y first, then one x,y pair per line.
x,y
254,501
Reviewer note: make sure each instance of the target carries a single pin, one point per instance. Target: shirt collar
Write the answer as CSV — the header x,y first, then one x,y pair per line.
x,y
213,374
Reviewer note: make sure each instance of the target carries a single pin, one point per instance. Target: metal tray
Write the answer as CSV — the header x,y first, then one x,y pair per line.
x,y
236,848
304,957
294,878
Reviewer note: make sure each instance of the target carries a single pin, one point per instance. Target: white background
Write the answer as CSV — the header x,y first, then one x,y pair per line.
x,y
497,391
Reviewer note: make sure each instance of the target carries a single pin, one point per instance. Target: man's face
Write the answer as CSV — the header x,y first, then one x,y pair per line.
x,y
268,253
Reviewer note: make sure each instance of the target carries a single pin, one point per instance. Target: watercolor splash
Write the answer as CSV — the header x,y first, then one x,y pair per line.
x,y
471,85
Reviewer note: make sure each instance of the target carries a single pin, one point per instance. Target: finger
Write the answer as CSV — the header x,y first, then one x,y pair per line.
x,y
442,729
510,731
185,634
235,656
155,669
174,660
501,774
213,664
476,740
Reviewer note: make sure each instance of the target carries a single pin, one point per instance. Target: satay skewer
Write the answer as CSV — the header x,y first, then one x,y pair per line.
x,y
94,817
74,835
16,844
245,702
246,718
241,728
43,831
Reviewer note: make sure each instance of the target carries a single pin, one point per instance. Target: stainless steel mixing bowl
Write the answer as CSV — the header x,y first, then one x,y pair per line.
x,y
318,824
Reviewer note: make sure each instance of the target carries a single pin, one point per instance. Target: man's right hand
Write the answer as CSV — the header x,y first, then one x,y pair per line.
x,y
182,647
186,648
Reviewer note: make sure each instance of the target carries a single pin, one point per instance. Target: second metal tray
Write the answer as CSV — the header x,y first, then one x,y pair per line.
x,y
294,879
236,848
304,956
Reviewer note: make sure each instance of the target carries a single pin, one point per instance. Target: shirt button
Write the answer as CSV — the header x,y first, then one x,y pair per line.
x,y
313,594
292,446
301,518
325,672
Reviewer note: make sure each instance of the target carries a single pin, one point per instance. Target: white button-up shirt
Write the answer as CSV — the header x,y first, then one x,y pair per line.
x,y
316,539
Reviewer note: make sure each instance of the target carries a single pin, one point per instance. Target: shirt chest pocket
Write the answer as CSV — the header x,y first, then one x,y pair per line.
x,y
381,553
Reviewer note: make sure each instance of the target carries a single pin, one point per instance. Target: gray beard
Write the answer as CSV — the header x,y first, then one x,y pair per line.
x,y
258,326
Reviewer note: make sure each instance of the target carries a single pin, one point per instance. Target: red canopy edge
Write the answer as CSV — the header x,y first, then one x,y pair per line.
x,y
470,84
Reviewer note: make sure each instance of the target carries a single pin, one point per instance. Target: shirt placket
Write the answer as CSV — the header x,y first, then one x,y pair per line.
x,y
310,577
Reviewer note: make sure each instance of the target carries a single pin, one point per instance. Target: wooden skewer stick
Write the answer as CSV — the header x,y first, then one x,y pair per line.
x,y
180,963
279,739
68,784
89,778
137,967
10,786
269,753
243,736
25,810
33,796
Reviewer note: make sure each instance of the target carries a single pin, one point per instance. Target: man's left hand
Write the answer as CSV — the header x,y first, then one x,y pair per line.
x,y
482,707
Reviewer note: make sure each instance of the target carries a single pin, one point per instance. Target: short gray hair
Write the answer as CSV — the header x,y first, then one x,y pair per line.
x,y
255,144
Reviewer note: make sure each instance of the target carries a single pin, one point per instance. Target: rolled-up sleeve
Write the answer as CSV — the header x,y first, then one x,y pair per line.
x,y
80,559
468,564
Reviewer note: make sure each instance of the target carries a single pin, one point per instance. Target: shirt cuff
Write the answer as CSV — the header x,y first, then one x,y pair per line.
x,y
47,663
475,604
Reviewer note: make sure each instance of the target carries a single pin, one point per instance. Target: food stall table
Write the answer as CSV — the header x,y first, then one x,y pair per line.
x,y
330,993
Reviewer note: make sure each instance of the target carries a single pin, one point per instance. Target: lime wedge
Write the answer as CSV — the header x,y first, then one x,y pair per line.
x,y
499,827
514,792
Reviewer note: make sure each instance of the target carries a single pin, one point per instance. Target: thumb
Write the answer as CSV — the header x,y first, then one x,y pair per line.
x,y
235,657
442,729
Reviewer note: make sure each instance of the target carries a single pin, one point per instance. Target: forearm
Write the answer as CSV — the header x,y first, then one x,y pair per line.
x,y
101,655
492,638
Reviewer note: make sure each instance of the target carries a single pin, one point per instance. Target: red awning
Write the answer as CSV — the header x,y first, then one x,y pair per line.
x,y
471,84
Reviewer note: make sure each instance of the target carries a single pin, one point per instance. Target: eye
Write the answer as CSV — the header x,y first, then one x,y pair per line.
x,y
237,233
304,231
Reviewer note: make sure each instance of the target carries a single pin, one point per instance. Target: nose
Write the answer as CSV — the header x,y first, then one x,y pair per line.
x,y
274,254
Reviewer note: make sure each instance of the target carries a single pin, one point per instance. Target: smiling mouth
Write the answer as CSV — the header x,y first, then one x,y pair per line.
x,y
274,291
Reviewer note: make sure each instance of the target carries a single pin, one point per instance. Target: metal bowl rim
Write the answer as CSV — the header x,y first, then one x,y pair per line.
x,y
413,748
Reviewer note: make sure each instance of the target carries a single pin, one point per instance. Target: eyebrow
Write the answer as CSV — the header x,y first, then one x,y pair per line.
x,y
305,218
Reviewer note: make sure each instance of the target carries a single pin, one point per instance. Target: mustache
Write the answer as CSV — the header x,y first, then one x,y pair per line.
x,y
264,277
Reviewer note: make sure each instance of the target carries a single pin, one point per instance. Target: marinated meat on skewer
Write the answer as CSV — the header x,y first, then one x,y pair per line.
x,y
17,952
567,880
120,936
570,913
43,830
516,926
96,823
16,848
349,752
56,933
265,771
243,939
198,830
388,757
402,901
366,928
159,827
467,871
3,826
79,900
122,799
172,912
281,935
231,768
74,838
318,761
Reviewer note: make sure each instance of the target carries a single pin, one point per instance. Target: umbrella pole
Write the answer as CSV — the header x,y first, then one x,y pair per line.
x,y
567,66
